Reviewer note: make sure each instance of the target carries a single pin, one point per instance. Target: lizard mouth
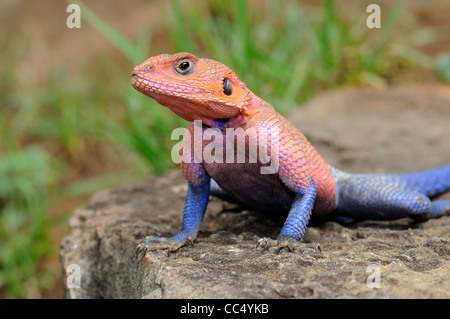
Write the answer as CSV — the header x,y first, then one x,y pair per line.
x,y
133,79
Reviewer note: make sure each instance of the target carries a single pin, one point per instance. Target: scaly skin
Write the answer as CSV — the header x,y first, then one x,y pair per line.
x,y
208,91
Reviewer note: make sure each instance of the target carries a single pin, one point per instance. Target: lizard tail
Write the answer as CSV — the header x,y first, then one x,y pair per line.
x,y
430,183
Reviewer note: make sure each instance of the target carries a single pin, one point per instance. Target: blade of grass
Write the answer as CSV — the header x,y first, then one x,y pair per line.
x,y
370,59
243,32
182,40
123,44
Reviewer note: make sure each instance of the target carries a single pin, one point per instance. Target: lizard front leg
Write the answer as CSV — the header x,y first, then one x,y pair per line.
x,y
196,202
194,210
292,151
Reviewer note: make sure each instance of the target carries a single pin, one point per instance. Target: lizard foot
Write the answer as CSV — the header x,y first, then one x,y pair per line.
x,y
287,242
169,244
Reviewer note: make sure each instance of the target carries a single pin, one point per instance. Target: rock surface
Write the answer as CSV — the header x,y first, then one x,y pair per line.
x,y
396,130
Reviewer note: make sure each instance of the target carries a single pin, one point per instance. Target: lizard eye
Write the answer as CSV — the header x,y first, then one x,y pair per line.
x,y
227,87
185,67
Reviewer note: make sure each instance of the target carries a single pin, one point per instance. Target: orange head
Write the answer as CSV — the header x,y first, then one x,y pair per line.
x,y
195,89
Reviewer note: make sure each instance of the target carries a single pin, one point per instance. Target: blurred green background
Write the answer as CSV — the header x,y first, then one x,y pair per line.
x,y
70,123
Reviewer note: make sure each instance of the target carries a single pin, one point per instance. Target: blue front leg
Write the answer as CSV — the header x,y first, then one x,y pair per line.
x,y
194,210
295,226
300,213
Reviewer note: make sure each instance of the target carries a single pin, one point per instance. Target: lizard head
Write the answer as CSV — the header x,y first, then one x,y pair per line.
x,y
194,88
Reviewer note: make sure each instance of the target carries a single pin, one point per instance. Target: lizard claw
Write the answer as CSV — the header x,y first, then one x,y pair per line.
x,y
287,242
294,245
265,243
162,243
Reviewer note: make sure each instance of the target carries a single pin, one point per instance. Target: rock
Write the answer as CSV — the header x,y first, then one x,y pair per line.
x,y
400,130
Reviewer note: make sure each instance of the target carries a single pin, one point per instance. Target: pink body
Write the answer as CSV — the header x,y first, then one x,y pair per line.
x,y
198,94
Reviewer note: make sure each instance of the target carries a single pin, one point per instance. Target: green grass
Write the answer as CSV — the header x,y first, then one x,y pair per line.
x,y
25,181
53,130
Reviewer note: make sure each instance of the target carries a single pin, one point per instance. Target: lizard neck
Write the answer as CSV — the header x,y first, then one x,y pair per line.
x,y
253,106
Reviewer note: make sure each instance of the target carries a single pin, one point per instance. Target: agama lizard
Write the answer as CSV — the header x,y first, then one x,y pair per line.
x,y
304,184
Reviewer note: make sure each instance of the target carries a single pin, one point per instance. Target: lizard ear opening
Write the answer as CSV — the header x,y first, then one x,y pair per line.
x,y
227,87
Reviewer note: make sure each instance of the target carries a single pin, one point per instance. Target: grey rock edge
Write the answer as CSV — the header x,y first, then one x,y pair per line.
x,y
396,130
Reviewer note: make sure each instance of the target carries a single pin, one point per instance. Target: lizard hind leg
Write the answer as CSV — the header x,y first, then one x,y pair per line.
x,y
383,197
438,208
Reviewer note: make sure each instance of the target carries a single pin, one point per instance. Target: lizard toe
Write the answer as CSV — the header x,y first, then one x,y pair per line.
x,y
265,243
151,243
296,246
290,243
